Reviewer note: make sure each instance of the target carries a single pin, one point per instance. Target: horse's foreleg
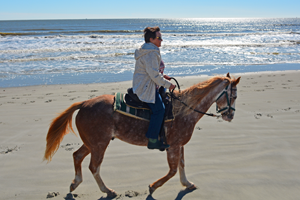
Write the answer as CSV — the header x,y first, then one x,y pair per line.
x,y
97,155
78,157
183,178
173,155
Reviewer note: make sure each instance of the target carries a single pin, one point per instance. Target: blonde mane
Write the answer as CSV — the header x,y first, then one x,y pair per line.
x,y
195,94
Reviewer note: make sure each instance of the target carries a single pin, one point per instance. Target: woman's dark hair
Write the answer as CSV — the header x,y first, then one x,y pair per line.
x,y
150,32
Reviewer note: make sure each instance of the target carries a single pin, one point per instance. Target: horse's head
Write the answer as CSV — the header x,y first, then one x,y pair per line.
x,y
226,100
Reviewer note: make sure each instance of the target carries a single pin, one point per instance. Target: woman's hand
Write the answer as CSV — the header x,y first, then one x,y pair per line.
x,y
172,87
167,77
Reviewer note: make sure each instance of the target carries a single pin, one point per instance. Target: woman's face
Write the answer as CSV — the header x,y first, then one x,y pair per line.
x,y
157,41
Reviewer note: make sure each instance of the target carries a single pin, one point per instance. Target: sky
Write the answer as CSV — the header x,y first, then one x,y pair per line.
x,y
111,9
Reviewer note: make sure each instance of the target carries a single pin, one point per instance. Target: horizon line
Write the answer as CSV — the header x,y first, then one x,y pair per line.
x,y
152,18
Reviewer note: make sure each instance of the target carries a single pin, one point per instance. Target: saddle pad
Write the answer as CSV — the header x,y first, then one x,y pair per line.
x,y
139,113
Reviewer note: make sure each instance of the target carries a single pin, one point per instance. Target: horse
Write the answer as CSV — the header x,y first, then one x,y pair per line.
x,y
98,124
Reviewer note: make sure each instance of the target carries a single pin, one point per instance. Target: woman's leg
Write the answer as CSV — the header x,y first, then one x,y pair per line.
x,y
157,117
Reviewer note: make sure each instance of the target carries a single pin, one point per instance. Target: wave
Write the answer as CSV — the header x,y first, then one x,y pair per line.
x,y
54,33
66,49
68,32
70,57
286,24
192,64
172,46
90,57
231,34
174,68
284,43
43,29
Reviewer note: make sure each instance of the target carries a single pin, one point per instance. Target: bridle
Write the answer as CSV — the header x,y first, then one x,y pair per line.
x,y
225,110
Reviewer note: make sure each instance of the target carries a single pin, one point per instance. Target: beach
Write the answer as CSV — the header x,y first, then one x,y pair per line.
x,y
256,156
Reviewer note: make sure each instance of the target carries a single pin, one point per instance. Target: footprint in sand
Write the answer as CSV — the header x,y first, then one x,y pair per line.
x,y
258,115
131,193
91,96
268,87
52,194
70,147
9,150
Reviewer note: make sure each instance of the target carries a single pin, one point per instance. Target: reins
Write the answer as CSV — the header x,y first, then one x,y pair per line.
x,y
176,98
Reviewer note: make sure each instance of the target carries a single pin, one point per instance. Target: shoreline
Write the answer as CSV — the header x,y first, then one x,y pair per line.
x,y
177,77
253,157
100,77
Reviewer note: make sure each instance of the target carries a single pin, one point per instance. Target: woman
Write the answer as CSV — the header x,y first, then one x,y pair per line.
x,y
147,78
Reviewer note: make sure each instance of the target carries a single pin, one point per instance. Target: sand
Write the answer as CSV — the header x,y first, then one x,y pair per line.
x,y
256,156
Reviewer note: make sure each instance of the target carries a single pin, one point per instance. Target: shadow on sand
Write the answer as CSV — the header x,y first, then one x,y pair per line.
x,y
180,196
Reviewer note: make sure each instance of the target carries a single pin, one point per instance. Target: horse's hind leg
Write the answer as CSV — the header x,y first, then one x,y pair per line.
x,y
173,155
78,157
97,155
183,178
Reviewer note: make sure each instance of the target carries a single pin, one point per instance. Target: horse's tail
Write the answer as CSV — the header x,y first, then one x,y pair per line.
x,y
59,127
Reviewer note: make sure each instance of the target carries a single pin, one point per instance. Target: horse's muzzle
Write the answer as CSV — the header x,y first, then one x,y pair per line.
x,y
227,116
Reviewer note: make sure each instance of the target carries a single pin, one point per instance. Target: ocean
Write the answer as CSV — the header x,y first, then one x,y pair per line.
x,y
39,52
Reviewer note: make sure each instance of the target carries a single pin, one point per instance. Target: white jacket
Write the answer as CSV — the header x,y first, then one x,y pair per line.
x,y
146,75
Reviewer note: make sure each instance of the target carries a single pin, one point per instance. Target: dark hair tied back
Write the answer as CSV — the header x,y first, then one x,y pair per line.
x,y
150,32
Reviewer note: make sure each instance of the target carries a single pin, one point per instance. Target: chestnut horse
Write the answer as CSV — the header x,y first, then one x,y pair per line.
x,y
97,124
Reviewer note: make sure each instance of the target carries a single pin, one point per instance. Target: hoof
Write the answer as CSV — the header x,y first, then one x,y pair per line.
x,y
151,190
75,183
192,187
72,187
111,194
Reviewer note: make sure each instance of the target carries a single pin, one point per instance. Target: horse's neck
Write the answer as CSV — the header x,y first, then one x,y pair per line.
x,y
203,103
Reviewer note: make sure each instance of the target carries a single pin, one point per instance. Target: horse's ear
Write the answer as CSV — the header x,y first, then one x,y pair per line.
x,y
236,81
228,75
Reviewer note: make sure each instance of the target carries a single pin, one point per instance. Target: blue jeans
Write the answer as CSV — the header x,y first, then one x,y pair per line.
x,y
157,117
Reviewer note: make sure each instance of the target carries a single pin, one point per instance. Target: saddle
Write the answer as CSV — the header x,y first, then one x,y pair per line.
x,y
129,104
133,100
